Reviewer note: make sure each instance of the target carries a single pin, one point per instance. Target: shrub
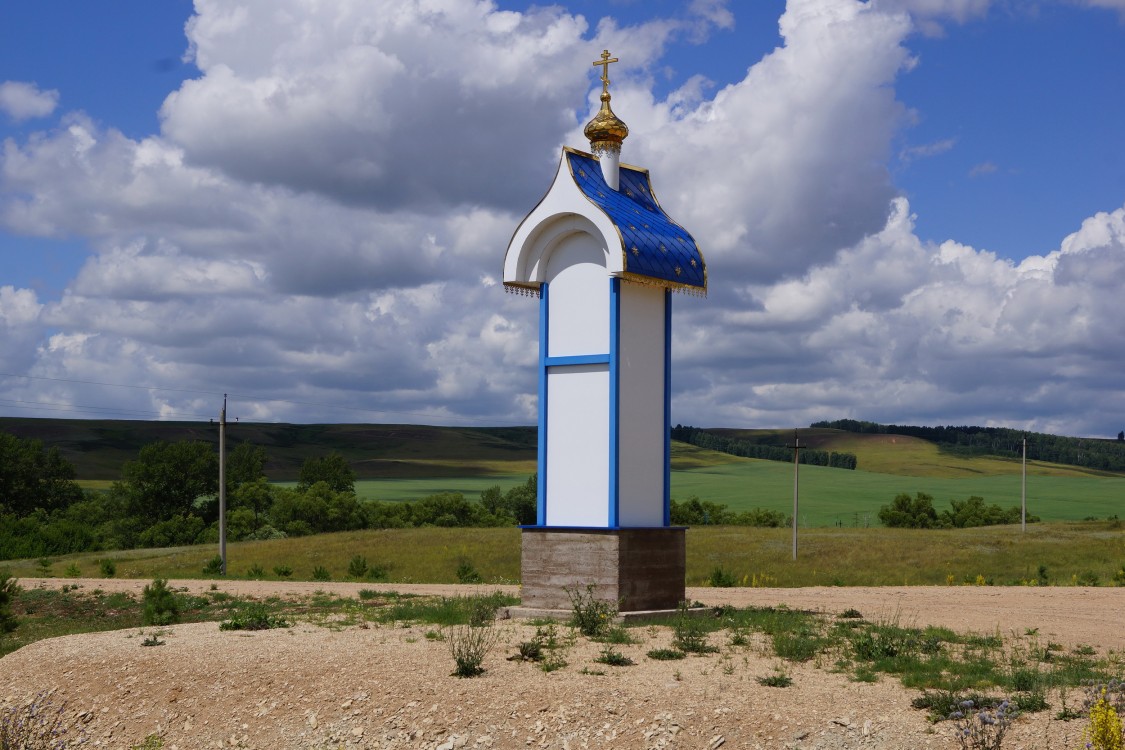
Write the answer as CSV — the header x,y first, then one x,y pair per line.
x,y
160,604
255,571
591,615
254,617
214,566
8,591
466,573
108,568
721,579
320,573
1104,704
357,567
37,725
73,571
469,644
284,571
377,572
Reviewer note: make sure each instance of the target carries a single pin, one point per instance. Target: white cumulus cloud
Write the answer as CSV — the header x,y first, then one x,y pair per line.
x,y
21,100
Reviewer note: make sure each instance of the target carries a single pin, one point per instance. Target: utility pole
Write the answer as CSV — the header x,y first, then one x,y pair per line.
x,y
1023,491
796,463
223,486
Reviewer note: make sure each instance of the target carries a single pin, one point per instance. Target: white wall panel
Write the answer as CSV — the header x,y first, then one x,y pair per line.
x,y
579,298
577,445
641,362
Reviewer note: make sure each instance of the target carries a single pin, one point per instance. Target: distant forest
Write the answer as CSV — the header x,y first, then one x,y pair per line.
x,y
1089,453
746,449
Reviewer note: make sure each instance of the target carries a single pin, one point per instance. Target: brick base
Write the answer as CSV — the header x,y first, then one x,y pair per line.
x,y
641,569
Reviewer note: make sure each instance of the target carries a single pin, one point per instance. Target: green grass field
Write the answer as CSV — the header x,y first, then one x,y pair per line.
x,y
834,496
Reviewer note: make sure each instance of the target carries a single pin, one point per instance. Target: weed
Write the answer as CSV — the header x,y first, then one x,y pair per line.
x,y
152,742
73,571
214,566
591,615
977,728
1104,732
739,635
666,654
434,635
466,573
721,579
357,567
152,640
865,674
481,609
529,650
1085,650
37,725
377,572
367,594
160,604
941,703
320,573
255,616
594,672
45,564
689,632
108,568
255,571
469,644
778,679
282,571
796,645
614,658
850,614
616,634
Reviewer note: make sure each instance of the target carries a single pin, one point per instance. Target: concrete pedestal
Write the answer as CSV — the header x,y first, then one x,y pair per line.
x,y
641,569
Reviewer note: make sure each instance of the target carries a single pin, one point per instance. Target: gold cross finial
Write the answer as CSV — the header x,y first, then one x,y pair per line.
x,y
604,62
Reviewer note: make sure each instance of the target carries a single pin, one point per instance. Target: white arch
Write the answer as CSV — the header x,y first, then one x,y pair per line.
x,y
563,211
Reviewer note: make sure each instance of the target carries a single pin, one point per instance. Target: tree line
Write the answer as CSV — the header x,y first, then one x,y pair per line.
x,y
1089,453
746,449
918,512
168,496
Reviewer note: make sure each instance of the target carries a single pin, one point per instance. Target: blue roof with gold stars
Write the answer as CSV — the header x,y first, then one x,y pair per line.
x,y
657,249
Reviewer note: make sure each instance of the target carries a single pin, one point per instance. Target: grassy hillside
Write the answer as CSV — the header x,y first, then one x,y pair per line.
x,y
903,455
1070,552
98,448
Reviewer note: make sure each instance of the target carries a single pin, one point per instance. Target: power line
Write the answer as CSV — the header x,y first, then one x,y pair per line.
x,y
252,397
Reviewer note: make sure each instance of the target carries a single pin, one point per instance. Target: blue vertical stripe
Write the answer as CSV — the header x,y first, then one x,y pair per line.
x,y
541,486
614,400
667,407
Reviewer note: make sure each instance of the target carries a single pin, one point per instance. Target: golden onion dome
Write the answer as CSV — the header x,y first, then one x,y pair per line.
x,y
606,127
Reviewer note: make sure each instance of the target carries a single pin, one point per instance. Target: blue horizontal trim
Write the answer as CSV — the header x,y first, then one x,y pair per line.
x,y
577,359
598,528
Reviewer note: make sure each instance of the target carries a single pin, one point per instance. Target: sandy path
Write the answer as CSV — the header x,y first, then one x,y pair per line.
x,y
1067,615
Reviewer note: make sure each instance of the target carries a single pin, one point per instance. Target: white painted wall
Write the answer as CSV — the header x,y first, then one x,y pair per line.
x,y
579,297
641,362
578,445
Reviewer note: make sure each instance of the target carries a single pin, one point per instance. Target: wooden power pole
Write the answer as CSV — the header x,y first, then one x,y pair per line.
x,y
223,486
796,463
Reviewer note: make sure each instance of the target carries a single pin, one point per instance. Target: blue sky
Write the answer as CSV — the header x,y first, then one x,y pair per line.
x,y
308,206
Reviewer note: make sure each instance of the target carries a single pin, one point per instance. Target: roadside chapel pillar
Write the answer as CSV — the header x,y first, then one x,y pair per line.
x,y
603,259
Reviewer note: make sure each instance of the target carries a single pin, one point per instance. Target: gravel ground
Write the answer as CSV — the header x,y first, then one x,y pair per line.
x,y
310,686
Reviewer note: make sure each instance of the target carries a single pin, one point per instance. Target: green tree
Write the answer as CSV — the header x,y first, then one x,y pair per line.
x,y
316,509
246,463
167,478
8,590
255,496
910,513
32,477
332,469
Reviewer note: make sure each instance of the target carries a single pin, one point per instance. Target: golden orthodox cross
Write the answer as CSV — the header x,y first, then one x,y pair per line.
x,y
604,62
